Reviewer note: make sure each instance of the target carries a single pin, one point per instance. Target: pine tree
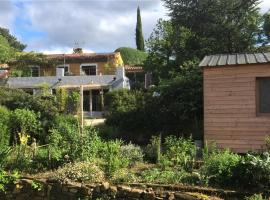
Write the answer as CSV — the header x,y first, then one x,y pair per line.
x,y
139,34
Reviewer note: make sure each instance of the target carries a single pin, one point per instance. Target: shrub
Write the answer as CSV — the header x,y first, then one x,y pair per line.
x,y
5,127
255,197
80,171
25,121
153,150
112,155
124,176
168,176
180,151
219,168
253,171
6,179
132,152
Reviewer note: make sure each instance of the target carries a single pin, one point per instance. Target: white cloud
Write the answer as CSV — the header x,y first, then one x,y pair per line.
x,y
97,25
7,15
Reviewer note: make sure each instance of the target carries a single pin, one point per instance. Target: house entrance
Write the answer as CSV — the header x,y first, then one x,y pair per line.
x,y
92,100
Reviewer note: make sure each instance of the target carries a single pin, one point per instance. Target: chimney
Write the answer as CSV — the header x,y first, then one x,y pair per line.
x,y
60,71
120,72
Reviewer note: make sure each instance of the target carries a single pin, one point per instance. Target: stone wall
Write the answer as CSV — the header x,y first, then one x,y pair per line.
x,y
28,189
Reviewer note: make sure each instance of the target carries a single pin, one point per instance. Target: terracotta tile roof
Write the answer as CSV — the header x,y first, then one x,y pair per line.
x,y
133,68
235,59
4,66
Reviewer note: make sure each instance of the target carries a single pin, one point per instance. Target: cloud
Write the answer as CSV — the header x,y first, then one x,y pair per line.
x,y
7,10
96,25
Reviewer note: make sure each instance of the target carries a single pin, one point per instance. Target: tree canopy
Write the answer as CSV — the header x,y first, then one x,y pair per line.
x,y
6,52
222,26
12,41
132,56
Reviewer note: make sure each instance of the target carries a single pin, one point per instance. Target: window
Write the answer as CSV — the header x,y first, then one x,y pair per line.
x,y
89,70
263,95
35,71
66,67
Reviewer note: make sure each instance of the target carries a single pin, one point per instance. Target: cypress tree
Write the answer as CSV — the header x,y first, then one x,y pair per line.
x,y
139,34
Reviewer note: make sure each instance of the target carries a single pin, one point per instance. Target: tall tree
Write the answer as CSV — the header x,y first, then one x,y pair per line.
x,y
13,42
139,33
222,26
6,52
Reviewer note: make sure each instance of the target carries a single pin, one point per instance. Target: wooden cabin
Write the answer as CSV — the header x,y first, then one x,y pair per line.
x,y
237,100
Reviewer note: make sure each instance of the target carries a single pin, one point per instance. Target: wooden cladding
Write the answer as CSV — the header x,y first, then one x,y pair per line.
x,y
237,106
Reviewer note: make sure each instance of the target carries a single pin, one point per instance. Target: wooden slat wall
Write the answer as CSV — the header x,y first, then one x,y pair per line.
x,y
230,117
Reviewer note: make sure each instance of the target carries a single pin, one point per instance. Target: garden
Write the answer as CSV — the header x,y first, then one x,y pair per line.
x,y
39,139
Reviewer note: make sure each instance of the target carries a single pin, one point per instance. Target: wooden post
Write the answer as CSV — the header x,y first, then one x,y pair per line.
x,y
81,106
102,99
91,103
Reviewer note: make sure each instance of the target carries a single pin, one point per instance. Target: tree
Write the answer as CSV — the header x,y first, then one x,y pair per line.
x,y
139,33
168,48
266,25
13,42
132,56
6,52
223,26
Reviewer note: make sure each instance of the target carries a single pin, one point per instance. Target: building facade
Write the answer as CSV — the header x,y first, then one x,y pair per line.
x,y
237,100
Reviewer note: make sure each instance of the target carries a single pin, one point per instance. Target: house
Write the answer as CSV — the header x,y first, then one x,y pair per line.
x,y
93,74
237,100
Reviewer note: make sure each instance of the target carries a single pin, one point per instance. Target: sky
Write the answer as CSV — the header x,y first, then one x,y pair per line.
x,y
57,26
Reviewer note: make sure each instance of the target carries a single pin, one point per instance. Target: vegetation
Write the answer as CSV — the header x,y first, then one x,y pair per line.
x,y
12,41
132,56
139,33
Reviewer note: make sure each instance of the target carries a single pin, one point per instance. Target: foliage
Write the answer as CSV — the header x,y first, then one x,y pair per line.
x,y
12,41
139,33
253,171
132,152
168,49
219,167
132,56
62,97
153,149
80,171
73,101
156,175
114,160
6,52
237,21
180,151
255,197
5,116
25,121
24,60
124,175
6,179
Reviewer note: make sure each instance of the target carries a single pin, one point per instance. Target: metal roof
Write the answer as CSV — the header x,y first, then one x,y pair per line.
x,y
53,81
235,59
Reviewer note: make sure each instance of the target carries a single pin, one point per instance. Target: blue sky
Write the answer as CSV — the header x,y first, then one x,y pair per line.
x,y
55,26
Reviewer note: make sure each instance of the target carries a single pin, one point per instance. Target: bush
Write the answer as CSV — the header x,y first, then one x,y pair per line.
x,y
6,179
25,121
253,171
168,176
80,171
112,155
4,127
219,167
132,152
124,176
180,151
255,197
